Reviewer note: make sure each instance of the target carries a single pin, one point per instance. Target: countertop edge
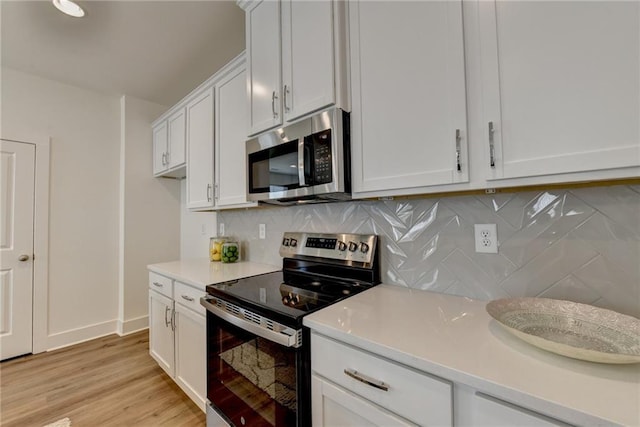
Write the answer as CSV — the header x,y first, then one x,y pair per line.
x,y
199,273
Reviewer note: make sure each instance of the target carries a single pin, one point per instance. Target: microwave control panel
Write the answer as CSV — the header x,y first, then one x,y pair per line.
x,y
322,156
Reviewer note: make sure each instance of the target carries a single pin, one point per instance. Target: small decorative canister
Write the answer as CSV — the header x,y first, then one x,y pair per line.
x,y
230,251
215,248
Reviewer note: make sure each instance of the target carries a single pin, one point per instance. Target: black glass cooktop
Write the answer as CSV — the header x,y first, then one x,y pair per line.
x,y
285,297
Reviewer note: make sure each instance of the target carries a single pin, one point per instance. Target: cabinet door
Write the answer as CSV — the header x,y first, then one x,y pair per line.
x,y
191,354
307,57
200,150
263,50
231,160
409,109
560,85
161,331
334,406
177,137
160,148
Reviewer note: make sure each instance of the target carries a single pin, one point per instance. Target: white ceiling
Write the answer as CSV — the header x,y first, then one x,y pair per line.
x,y
153,50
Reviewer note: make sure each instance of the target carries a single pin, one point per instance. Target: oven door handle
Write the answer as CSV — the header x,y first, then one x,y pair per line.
x,y
287,338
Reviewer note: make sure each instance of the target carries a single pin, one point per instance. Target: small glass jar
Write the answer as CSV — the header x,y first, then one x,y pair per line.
x,y
230,251
215,248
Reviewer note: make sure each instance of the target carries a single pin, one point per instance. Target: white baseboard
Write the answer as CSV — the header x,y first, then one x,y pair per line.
x,y
132,325
76,336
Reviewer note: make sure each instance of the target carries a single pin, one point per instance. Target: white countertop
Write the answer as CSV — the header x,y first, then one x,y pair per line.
x,y
200,272
454,338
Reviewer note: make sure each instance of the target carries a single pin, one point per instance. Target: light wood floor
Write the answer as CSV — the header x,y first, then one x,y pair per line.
x,y
110,381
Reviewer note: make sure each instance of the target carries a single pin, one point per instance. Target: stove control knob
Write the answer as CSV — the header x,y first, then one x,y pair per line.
x,y
353,246
285,242
364,248
293,243
342,246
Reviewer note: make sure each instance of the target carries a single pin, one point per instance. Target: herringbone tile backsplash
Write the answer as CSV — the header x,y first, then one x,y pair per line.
x,y
578,244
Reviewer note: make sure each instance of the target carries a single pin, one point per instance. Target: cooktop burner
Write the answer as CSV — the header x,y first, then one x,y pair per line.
x,y
318,270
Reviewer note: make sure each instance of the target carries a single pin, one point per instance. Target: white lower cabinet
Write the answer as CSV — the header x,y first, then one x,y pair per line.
x,y
177,334
374,389
335,406
161,331
191,353
488,411
353,387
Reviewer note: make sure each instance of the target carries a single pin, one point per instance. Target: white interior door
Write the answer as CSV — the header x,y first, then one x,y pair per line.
x,y
17,180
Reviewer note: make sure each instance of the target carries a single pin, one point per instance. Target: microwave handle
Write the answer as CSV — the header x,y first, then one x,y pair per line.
x,y
301,174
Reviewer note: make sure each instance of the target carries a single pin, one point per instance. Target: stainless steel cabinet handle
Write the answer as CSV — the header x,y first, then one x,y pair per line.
x,y
215,191
158,284
286,90
23,258
273,104
366,379
208,192
188,298
492,154
173,320
458,137
166,322
168,157
164,159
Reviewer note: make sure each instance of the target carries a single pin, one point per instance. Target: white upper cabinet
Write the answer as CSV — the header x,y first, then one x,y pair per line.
x,y
160,147
307,57
200,150
561,86
263,47
409,122
177,137
169,145
296,59
230,148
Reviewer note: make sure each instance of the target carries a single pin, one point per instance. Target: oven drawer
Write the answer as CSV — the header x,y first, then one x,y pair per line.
x,y
416,396
161,284
189,297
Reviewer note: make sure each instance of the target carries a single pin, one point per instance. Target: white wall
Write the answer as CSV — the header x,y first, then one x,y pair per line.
x,y
83,240
196,228
109,217
149,210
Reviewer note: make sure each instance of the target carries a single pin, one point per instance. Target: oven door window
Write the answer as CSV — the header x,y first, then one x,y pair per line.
x,y
277,169
251,380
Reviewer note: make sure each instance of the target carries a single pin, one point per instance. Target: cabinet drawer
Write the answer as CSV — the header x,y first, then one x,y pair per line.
x,y
161,284
418,397
490,411
189,297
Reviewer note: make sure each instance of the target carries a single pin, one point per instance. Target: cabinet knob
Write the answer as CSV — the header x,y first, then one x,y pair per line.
x,y
23,258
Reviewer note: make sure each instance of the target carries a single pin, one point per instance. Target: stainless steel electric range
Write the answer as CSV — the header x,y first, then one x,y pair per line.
x,y
258,351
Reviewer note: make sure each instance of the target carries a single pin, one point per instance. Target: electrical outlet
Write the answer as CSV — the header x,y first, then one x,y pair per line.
x,y
221,229
262,231
486,236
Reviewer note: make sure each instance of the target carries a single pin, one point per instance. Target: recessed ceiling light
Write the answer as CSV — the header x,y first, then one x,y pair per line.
x,y
69,7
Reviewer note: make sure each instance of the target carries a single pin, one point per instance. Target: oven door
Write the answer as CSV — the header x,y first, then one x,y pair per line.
x,y
254,381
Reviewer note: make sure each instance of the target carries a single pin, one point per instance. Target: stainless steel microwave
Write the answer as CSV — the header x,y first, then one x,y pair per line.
x,y
308,161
